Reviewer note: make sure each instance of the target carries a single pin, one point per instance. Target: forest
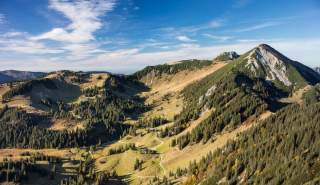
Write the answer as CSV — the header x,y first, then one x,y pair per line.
x,y
172,69
102,117
284,149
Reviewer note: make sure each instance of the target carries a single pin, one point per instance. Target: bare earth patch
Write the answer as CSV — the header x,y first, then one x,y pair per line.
x,y
62,124
296,96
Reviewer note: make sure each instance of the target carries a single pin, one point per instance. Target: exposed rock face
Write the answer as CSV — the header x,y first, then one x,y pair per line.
x,y
209,92
150,77
272,63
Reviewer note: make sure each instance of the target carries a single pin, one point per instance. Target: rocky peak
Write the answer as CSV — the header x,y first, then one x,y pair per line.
x,y
271,62
230,55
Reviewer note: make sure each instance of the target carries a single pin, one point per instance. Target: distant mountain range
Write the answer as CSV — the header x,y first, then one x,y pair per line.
x,y
14,75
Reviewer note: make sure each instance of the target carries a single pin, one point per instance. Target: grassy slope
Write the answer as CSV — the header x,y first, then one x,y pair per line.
x,y
164,95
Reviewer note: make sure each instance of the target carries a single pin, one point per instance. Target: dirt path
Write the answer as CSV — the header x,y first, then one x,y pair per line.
x,y
296,96
161,156
160,162
161,165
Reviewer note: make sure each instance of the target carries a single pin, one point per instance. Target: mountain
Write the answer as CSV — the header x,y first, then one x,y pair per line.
x,y
317,69
236,119
13,75
265,62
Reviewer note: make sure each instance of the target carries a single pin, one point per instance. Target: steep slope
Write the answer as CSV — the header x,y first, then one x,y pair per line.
x,y
265,62
150,73
13,75
284,149
165,83
248,86
317,69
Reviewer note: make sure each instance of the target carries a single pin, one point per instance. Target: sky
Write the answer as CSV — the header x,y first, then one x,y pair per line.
x,y
123,36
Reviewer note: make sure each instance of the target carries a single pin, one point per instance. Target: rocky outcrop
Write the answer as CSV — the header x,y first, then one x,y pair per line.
x,y
225,56
274,65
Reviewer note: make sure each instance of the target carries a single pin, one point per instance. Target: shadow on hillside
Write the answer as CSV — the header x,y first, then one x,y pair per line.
x,y
130,89
276,105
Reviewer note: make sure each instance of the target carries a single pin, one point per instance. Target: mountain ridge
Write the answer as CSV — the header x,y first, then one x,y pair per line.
x,y
15,75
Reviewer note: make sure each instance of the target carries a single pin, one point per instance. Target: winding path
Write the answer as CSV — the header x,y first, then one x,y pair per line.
x,y
160,163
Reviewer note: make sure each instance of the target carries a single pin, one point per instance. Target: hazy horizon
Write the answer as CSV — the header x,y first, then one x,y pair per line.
x,y
125,36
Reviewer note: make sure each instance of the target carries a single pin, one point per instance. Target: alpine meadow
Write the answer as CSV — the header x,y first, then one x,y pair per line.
x,y
159,92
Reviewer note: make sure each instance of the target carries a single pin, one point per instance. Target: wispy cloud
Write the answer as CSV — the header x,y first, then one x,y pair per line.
x,y
84,16
257,40
2,18
77,39
81,51
119,62
131,59
18,42
176,32
213,24
217,37
184,38
259,26
28,47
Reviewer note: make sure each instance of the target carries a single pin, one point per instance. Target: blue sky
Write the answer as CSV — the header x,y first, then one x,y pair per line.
x,y
125,35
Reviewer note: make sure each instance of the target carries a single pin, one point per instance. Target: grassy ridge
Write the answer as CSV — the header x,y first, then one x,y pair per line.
x,y
172,69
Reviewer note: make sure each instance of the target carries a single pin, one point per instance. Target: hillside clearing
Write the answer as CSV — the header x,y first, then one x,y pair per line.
x,y
164,96
296,96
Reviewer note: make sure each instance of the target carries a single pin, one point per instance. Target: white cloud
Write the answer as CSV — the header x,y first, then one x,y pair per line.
x,y
184,38
18,42
193,29
84,16
218,37
215,23
13,34
27,47
81,51
259,26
